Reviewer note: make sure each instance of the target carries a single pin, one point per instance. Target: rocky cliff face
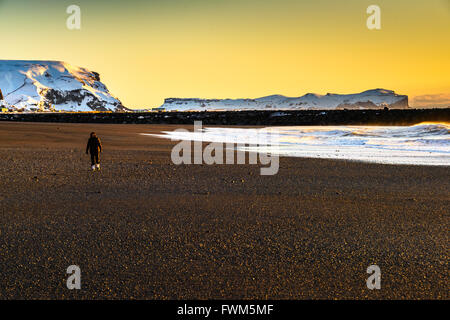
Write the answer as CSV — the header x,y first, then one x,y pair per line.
x,y
371,99
53,86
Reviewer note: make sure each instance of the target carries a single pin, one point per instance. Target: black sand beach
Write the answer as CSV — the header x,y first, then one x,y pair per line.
x,y
143,228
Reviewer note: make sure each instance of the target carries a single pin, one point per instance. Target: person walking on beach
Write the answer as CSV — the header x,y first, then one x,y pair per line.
x,y
94,146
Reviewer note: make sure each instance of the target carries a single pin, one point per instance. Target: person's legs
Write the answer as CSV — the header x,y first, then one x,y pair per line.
x,y
97,161
92,161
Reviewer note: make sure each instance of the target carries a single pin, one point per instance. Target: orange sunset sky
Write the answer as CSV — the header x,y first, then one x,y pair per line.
x,y
146,51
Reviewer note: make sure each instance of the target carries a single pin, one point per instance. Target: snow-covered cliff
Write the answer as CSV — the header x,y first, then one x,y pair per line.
x,y
53,86
371,99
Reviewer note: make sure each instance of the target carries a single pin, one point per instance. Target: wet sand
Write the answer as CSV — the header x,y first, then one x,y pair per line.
x,y
144,228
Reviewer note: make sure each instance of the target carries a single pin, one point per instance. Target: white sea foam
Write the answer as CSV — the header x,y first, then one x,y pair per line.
x,y
422,144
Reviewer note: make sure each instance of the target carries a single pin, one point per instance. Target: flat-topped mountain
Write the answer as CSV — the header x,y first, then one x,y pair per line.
x,y
53,86
370,99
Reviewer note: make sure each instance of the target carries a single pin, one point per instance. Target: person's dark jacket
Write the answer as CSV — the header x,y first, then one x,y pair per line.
x,y
94,145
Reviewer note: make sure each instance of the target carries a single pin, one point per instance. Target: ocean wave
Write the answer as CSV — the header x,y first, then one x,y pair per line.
x,y
421,144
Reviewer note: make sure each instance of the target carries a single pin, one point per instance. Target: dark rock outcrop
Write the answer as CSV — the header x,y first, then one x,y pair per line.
x,y
259,118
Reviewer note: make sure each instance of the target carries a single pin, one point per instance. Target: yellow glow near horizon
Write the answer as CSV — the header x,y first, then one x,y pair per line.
x,y
146,51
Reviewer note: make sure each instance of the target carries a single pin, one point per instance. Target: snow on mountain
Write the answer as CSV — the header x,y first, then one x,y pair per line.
x,y
371,99
53,86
